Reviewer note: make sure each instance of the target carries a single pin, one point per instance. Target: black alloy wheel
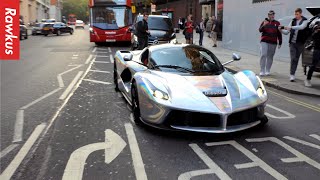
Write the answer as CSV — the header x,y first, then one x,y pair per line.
x,y
115,77
135,104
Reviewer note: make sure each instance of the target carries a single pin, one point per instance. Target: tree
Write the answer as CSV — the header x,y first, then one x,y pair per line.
x,y
77,7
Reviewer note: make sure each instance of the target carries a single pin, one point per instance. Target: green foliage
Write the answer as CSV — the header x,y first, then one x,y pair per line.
x,y
77,7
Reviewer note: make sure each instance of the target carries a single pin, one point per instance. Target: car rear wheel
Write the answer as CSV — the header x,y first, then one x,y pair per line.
x,y
135,104
58,33
71,31
115,77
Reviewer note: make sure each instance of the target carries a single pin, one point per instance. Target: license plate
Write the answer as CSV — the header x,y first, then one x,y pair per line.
x,y
38,31
46,29
110,40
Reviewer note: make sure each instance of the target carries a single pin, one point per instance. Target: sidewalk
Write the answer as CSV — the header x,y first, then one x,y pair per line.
x,y
279,77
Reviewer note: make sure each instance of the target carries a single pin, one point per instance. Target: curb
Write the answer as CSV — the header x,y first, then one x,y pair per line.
x,y
276,86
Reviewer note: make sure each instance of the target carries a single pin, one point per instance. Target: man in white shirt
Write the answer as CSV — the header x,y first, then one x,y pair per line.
x,y
298,36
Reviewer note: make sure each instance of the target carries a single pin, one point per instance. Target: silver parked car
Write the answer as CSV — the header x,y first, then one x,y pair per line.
x,y
37,28
185,87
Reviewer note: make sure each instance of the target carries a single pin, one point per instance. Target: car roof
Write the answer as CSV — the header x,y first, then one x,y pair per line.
x,y
160,16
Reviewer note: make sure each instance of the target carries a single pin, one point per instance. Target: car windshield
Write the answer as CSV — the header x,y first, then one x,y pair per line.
x,y
158,23
111,17
193,59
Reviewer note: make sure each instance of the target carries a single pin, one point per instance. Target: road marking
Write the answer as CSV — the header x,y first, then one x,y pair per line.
x,y
88,59
213,167
109,49
315,136
14,164
309,106
102,52
113,146
71,85
95,81
101,56
299,156
105,62
135,153
131,118
107,72
74,58
256,161
41,98
302,142
59,77
289,115
8,150
94,49
18,126
111,58
75,55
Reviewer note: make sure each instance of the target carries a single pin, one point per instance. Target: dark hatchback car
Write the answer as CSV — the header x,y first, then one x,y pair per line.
x,y
160,28
23,32
56,28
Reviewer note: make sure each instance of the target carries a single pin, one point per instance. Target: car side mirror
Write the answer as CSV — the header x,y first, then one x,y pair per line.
x,y
236,57
130,29
127,57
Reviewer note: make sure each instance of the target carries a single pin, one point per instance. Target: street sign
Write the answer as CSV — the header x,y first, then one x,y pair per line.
x,y
133,9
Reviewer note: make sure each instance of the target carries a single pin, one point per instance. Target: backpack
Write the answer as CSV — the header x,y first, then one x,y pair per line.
x,y
198,29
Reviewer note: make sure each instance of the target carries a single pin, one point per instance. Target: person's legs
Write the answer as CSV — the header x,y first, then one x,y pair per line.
x,y
315,62
201,38
214,38
146,42
140,43
270,53
263,58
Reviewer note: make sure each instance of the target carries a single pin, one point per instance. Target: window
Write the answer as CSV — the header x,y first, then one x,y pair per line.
x,y
259,1
111,17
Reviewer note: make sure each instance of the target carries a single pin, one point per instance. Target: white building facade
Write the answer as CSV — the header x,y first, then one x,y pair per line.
x,y
241,20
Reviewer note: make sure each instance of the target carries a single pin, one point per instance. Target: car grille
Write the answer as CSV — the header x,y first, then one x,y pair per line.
x,y
157,42
243,117
193,119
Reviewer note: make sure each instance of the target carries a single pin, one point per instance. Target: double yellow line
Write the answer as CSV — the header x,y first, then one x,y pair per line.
x,y
309,106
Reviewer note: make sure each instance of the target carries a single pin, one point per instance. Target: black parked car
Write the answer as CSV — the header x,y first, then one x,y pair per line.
x,y
57,28
23,32
160,28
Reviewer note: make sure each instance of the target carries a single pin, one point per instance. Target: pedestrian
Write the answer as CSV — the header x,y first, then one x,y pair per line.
x,y
142,32
209,26
270,37
202,29
298,36
214,31
189,30
180,23
316,52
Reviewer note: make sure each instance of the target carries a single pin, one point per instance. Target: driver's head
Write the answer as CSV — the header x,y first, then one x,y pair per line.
x,y
145,16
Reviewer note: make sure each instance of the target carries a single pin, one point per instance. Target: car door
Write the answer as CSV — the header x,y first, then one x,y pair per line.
x,y
63,28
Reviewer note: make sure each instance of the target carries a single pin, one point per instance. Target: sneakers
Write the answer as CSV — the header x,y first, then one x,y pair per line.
x,y
292,78
307,83
214,45
262,74
267,73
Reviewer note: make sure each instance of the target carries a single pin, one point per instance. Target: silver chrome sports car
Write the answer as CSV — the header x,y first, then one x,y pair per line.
x,y
185,87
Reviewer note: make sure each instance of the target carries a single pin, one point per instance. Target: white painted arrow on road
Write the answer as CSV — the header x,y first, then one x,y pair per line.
x,y
113,146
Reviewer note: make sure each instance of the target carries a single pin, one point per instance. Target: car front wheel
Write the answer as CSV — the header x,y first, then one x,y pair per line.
x,y
115,77
58,33
71,31
135,104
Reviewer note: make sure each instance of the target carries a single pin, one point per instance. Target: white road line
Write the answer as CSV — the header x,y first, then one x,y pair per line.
x,y
95,81
315,136
88,59
102,52
7,150
302,142
71,85
109,49
209,162
94,49
135,153
74,58
59,77
18,126
101,56
100,71
41,98
289,115
14,164
105,62
256,161
299,156
75,55
111,58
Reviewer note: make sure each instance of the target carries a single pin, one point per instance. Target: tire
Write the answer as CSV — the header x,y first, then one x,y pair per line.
x,y
58,33
71,31
115,77
264,121
26,37
135,104
46,35
98,43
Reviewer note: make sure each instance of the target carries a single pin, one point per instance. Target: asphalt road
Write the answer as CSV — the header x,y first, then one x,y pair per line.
x,y
90,133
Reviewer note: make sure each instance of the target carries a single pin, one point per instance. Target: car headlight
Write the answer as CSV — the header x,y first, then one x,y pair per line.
x,y
260,92
160,95
174,41
135,38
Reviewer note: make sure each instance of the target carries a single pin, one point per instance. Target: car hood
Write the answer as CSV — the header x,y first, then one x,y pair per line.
x,y
224,93
160,35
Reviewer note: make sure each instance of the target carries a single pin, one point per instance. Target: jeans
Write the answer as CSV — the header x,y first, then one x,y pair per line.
x,y
201,37
142,42
295,52
315,62
267,52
